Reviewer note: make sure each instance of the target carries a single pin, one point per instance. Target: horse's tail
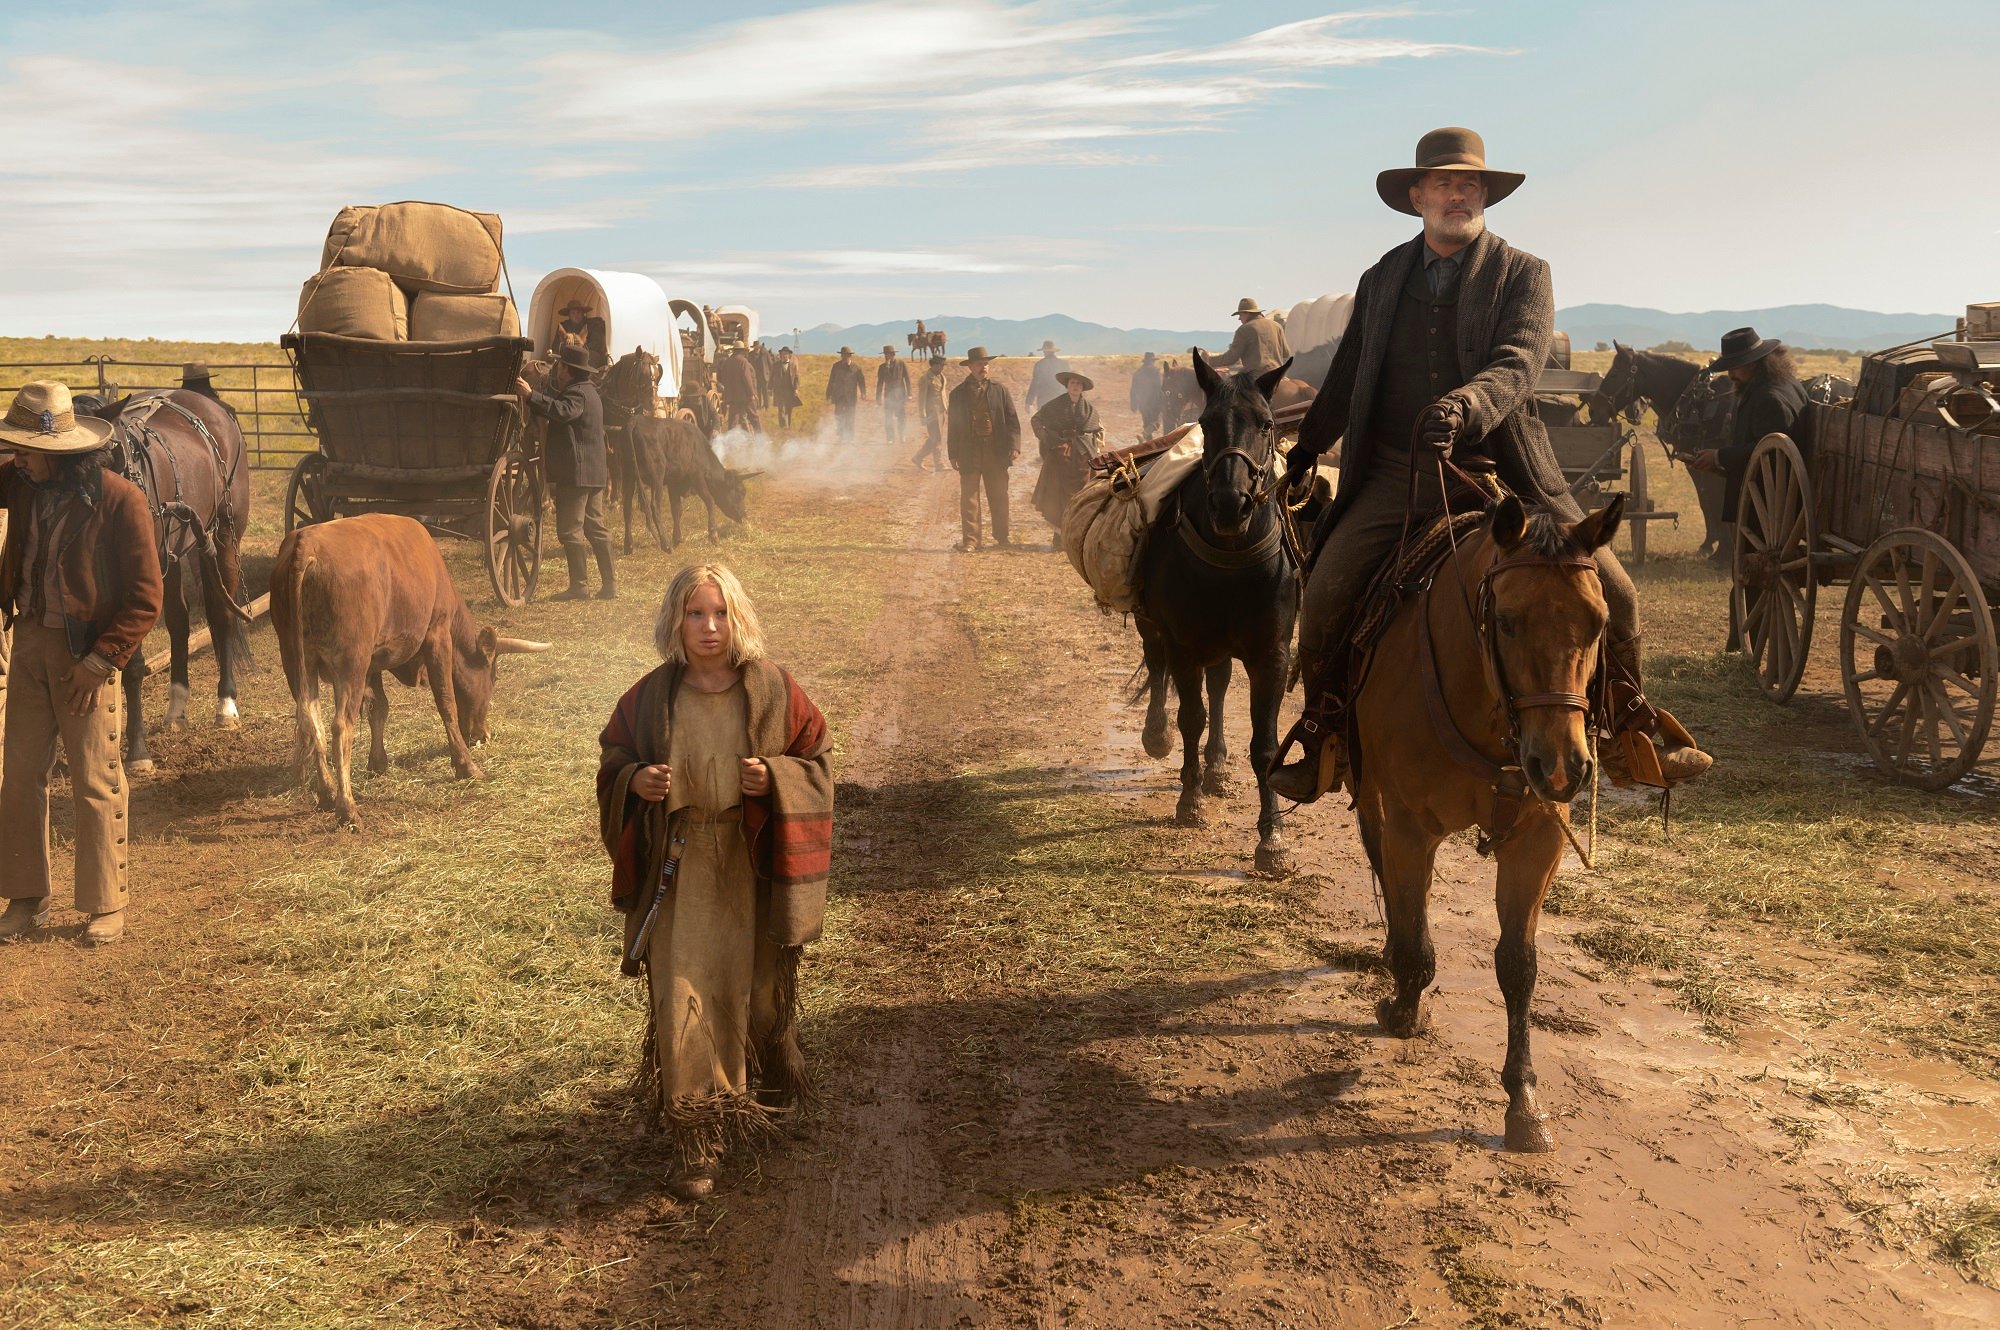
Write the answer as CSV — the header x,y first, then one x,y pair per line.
x,y
288,615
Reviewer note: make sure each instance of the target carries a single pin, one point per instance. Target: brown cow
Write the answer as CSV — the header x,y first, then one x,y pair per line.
x,y
355,597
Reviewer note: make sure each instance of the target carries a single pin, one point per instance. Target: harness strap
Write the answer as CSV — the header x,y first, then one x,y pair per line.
x,y
1216,556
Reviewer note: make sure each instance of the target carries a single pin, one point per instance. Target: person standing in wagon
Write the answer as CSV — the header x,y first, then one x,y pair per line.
x,y
715,802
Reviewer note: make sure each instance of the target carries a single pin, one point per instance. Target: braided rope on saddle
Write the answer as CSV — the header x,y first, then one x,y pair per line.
x,y
1407,573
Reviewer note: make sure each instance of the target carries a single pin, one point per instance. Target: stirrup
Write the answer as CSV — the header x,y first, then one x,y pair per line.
x,y
1322,738
1632,759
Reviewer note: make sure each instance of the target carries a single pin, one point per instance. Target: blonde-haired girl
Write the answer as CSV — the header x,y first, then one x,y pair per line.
x,y
715,801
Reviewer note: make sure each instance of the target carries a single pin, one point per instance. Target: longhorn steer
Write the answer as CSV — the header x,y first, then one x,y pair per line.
x,y
355,597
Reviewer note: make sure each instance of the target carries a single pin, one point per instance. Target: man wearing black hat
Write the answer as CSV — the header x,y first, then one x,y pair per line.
x,y
1148,394
1070,435
846,387
738,382
581,324
785,386
579,468
982,438
1769,400
1449,334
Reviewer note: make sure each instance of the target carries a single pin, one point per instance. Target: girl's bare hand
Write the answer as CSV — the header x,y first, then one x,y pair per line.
x,y
652,783
756,776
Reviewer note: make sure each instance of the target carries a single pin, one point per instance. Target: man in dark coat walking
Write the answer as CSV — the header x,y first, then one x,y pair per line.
x,y
1449,335
785,386
578,466
846,388
1769,400
983,438
738,381
1148,394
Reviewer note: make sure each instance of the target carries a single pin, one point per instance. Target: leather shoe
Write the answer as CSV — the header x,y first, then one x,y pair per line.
x,y
24,915
104,929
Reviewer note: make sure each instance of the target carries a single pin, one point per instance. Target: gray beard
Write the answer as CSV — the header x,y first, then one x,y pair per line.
x,y
1457,231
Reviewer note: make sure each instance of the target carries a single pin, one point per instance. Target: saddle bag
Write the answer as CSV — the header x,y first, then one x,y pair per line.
x,y
1104,528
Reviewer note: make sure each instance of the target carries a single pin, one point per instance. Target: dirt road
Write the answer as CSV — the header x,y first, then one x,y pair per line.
x,y
1078,1067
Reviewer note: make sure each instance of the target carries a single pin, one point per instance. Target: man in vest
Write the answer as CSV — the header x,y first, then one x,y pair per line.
x,y
579,468
1449,335
1259,345
892,390
984,438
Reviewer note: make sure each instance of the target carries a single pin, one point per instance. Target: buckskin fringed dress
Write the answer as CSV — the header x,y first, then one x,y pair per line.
x,y
747,894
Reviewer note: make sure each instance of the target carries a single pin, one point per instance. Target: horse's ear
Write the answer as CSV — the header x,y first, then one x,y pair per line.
x,y
1268,383
1597,530
1203,375
1509,522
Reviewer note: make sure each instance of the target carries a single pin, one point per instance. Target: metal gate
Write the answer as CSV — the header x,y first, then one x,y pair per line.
x,y
267,406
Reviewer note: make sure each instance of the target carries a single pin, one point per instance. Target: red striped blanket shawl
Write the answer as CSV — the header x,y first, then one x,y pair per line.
x,y
790,830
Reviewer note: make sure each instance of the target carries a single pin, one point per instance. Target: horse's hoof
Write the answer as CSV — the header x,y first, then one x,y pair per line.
x,y
1403,1024
1528,1133
1156,742
471,771
143,767
1215,785
378,767
224,721
1274,861
1189,814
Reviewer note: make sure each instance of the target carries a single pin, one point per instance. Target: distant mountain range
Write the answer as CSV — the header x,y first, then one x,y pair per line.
x,y
1814,326
1010,337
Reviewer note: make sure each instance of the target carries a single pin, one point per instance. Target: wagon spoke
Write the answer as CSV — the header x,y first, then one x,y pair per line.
x,y
1944,609
1942,708
1759,509
1888,711
1874,635
1911,711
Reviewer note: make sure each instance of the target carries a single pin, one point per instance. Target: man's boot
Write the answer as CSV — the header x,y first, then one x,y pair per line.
x,y
1631,757
607,572
24,915
579,574
1321,733
104,929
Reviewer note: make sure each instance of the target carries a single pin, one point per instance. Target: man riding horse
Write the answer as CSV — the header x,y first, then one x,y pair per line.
x,y
1437,372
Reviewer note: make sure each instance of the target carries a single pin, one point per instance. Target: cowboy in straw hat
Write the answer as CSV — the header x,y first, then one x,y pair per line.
x,y
1449,333
892,390
578,466
80,587
1042,385
1769,400
579,321
846,389
982,438
1070,436
1259,346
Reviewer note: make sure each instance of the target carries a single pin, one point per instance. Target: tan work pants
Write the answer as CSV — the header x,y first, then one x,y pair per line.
x,y
36,719
990,473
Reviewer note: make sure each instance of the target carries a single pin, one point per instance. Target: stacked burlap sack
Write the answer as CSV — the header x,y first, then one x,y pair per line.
x,y
410,272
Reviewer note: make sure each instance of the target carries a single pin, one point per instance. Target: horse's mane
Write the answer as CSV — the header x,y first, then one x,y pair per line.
x,y
1547,537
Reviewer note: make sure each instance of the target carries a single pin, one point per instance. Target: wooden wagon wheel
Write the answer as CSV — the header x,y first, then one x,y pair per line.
x,y
1918,655
514,529
305,493
1772,603
1640,503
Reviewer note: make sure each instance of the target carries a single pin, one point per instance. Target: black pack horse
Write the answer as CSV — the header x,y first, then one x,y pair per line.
x,y
1219,582
631,388
185,452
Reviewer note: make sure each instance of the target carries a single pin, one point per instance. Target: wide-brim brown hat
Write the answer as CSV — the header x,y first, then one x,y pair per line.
x,y
1248,306
43,419
1449,149
1742,346
888,350
577,306
1068,377
194,372
1050,346
977,353
847,350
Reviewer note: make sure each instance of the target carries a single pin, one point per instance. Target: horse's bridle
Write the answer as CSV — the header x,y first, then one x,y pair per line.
x,y
1489,644
1612,396
1263,484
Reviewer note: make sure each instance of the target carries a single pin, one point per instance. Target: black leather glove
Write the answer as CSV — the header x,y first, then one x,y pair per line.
x,y
1441,423
1299,465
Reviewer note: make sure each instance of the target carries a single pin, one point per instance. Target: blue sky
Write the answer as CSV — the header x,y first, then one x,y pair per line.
x,y
1132,164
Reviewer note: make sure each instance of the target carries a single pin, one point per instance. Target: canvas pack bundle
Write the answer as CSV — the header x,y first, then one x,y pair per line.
x,y
354,302
1104,528
1982,322
436,317
425,246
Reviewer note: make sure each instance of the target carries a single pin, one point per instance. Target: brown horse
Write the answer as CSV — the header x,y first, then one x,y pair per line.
x,y
185,452
1475,709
